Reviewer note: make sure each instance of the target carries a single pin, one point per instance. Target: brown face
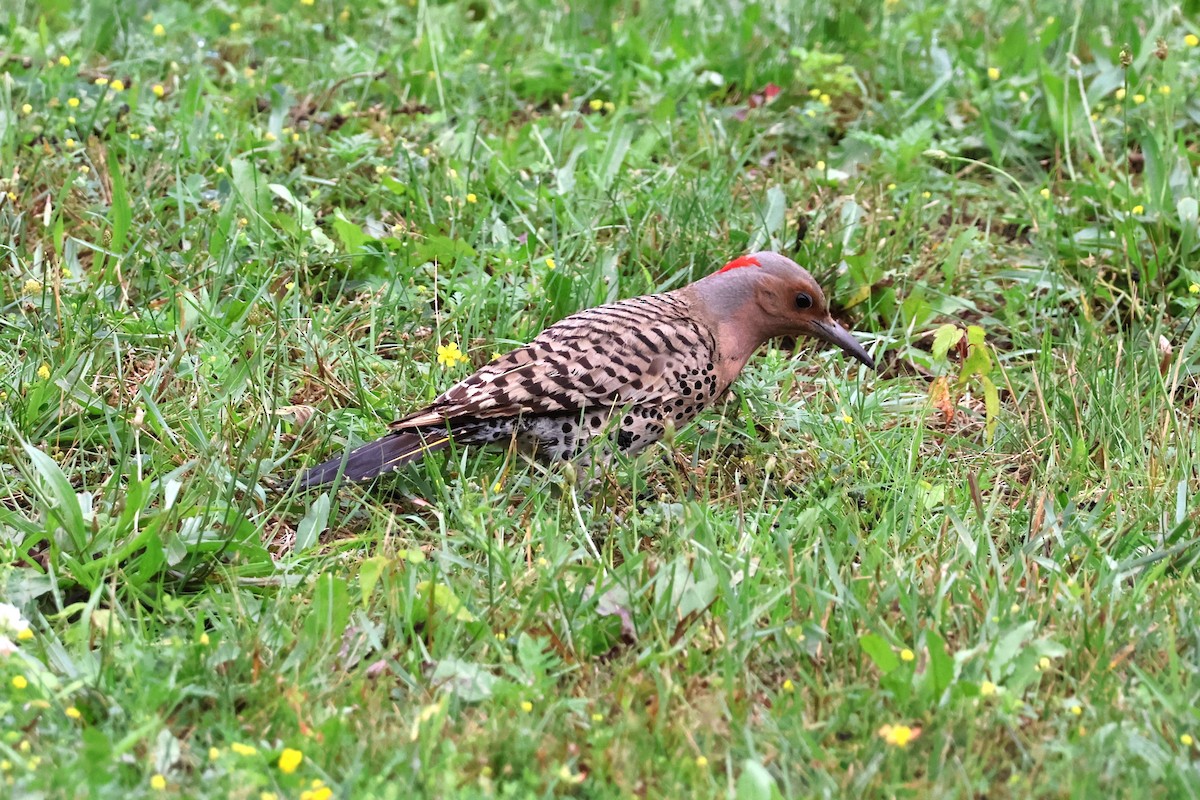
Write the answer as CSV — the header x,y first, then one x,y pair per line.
x,y
798,303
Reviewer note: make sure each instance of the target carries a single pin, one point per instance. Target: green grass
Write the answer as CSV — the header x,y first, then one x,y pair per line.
x,y
242,259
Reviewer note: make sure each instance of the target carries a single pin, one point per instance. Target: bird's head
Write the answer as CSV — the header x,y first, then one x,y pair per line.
x,y
766,295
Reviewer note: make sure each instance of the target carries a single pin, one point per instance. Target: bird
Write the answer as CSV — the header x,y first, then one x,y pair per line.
x,y
617,375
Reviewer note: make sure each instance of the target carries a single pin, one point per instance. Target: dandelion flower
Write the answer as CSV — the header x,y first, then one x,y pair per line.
x,y
158,90
899,735
550,263
596,104
267,796
289,760
598,717
471,198
1186,740
448,355
26,109
891,187
1138,209
19,682
1119,94
43,372
1043,663
987,689
214,753
159,30
820,165
907,655
993,74
158,782
1194,288
73,102
1164,89
1045,193
701,762
1075,709
1191,40
64,61
788,686
117,85
1139,99
242,749
72,712
825,99
609,106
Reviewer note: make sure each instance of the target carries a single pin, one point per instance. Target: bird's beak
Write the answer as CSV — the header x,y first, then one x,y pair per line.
x,y
829,331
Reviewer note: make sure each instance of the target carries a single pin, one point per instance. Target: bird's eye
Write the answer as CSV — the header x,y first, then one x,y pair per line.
x,y
803,301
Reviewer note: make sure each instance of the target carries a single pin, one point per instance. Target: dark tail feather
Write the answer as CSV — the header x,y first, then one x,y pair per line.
x,y
377,457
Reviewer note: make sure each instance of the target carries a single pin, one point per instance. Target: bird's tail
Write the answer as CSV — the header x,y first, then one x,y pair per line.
x,y
377,457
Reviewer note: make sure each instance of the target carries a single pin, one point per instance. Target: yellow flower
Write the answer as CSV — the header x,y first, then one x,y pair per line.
x,y
270,137
1138,209
204,639
1076,709
820,165
307,2
73,102
134,135
449,355
213,753
471,198
899,735
242,749
158,782
907,655
814,93
550,263
1045,193
846,418
1194,288
891,187
788,686
1186,739
323,793
289,759
26,109
926,195
1139,99
1120,94
158,90
234,27
69,143
526,706
101,81
993,74
701,762
64,61
159,30
267,796
1191,40
825,99
24,635
609,106
987,689
117,85
1043,663
596,104
43,372
72,712
597,717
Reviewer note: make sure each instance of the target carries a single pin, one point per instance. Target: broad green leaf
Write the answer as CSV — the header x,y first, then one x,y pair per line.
x,y
940,669
880,652
63,504
991,403
945,337
330,611
369,573
313,524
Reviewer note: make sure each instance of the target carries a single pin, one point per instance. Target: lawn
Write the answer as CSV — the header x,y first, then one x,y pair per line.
x,y
236,235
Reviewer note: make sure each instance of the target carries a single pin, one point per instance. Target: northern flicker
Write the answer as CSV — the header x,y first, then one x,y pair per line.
x,y
623,371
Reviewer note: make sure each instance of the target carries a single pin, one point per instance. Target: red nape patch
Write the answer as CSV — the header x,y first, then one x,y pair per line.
x,y
744,261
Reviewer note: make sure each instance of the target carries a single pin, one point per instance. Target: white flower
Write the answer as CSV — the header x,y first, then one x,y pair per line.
x,y
7,647
11,620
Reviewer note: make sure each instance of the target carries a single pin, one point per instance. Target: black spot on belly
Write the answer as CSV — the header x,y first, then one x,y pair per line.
x,y
566,427
624,439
